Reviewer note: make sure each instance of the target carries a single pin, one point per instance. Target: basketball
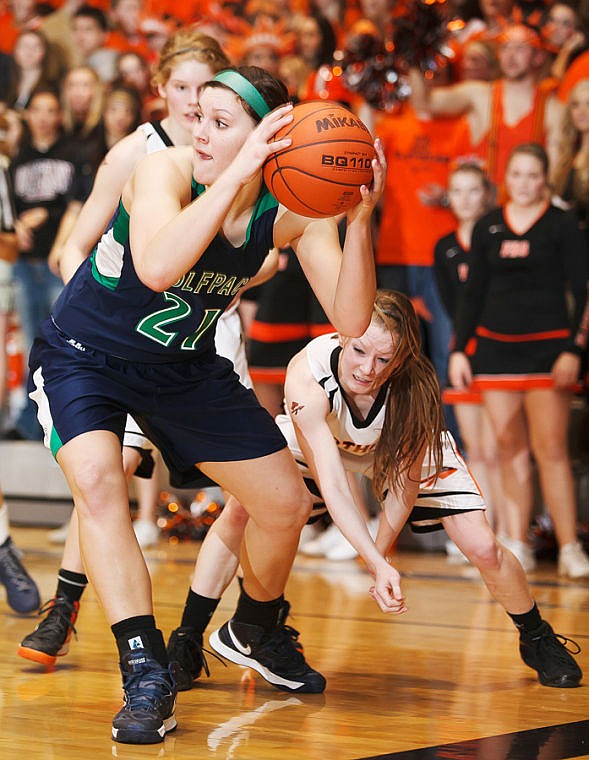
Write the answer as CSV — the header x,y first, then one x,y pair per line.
x,y
330,158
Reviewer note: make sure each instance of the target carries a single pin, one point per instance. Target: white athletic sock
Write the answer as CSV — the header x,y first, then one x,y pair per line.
x,y
4,524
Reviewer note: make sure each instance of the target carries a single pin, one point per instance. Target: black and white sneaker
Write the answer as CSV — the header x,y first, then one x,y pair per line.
x,y
51,638
274,655
186,653
150,700
546,652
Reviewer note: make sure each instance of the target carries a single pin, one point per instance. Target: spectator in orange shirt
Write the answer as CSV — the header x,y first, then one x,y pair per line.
x,y
127,35
22,15
504,113
565,37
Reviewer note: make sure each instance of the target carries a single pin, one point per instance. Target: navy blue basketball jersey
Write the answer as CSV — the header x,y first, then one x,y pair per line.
x,y
152,327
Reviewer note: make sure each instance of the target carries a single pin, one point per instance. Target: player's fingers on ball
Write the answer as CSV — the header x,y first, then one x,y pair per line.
x,y
286,108
281,116
280,144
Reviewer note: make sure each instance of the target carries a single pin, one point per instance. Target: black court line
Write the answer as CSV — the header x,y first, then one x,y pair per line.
x,y
558,742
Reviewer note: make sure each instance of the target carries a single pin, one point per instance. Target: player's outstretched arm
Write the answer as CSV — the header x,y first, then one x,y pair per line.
x,y
309,407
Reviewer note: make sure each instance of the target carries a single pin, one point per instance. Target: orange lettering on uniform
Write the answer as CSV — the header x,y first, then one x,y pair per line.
x,y
514,249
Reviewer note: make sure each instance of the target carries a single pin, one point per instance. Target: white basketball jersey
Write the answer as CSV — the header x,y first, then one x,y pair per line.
x,y
452,489
154,141
355,438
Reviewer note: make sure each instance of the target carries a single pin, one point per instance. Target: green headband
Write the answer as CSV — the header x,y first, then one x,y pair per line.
x,y
245,89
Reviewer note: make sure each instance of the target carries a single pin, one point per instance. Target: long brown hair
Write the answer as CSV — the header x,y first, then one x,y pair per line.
x,y
414,417
569,146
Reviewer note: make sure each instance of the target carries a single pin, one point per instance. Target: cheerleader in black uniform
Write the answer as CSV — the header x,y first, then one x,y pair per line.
x,y
469,194
527,258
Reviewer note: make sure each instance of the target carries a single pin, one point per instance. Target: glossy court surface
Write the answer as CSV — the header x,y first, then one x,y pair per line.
x,y
443,681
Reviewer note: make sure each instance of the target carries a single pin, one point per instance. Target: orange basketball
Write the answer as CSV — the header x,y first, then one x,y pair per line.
x,y
330,157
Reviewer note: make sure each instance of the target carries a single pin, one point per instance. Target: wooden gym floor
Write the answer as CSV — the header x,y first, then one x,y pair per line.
x,y
443,681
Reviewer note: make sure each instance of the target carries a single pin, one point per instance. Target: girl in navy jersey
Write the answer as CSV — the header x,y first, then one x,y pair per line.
x,y
526,259
134,331
188,60
469,195
371,405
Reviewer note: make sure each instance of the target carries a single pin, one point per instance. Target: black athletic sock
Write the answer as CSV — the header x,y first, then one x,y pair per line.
x,y
252,612
527,621
198,611
140,633
70,585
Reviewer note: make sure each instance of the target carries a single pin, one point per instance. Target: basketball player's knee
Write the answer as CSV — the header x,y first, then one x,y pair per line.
x,y
235,515
487,555
292,512
91,486
304,504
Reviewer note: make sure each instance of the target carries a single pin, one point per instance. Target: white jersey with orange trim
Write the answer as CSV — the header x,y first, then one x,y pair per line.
x,y
452,490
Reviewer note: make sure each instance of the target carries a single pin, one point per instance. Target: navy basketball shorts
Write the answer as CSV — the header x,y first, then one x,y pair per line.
x,y
193,411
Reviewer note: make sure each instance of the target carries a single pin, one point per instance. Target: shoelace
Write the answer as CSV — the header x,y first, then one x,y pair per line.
x,y
57,617
293,634
205,664
13,569
282,643
143,689
564,641
200,658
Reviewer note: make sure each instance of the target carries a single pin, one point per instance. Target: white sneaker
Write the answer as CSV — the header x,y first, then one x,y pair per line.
x,y
58,535
573,561
309,533
147,533
341,550
454,555
523,552
321,545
